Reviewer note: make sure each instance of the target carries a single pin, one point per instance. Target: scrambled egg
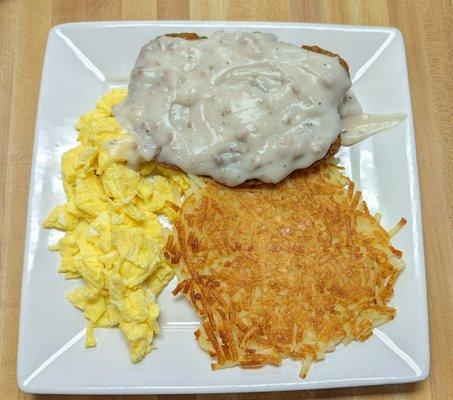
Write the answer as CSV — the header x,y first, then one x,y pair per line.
x,y
113,239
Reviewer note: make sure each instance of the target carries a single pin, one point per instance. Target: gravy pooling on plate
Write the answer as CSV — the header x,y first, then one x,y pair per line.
x,y
234,106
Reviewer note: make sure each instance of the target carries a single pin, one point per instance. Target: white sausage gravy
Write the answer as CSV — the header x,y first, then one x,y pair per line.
x,y
238,106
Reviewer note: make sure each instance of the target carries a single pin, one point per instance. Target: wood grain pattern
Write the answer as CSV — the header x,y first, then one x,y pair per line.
x,y
427,30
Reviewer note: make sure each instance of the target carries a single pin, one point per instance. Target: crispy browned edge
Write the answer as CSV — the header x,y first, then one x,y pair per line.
x,y
316,49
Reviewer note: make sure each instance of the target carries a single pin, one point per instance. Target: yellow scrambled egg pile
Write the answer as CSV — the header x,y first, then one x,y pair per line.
x,y
113,238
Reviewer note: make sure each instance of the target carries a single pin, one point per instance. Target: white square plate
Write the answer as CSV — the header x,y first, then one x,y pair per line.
x,y
85,60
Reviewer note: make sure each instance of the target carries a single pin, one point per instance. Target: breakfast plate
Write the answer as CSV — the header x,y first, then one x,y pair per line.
x,y
84,61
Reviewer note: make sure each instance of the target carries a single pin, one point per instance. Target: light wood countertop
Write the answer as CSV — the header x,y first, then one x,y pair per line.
x,y
427,30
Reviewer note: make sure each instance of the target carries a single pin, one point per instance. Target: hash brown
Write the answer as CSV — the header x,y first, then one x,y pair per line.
x,y
286,270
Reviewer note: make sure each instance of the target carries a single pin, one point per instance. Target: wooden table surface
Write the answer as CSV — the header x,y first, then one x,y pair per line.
x,y
427,31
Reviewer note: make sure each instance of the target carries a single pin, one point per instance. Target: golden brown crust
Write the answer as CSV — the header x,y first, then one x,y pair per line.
x,y
285,270
316,49
186,35
333,149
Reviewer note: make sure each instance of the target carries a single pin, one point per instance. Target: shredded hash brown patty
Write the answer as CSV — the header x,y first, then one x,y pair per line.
x,y
286,270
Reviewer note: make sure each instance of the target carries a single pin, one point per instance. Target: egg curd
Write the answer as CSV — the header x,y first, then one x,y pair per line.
x,y
113,238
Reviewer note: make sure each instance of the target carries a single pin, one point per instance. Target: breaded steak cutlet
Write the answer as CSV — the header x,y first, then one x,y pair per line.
x,y
333,149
